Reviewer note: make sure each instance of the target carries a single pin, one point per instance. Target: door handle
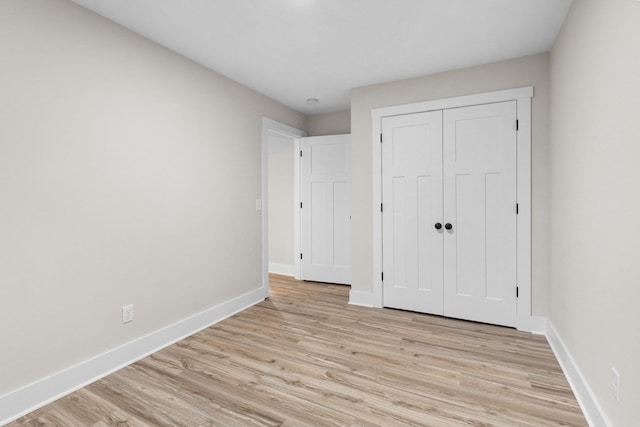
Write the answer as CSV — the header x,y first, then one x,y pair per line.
x,y
448,226
438,226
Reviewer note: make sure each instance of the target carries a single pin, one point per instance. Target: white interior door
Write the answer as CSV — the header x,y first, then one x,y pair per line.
x,y
412,205
449,212
480,205
325,219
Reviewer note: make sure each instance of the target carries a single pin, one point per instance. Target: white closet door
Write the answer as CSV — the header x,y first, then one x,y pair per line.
x,y
480,205
412,201
325,220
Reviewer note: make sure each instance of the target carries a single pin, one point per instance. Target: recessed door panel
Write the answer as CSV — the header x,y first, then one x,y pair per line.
x,y
341,224
320,223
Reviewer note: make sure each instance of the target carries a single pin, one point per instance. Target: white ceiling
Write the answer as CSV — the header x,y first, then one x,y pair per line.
x,y
291,50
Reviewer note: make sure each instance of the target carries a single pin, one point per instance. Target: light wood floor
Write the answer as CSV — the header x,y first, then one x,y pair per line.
x,y
306,357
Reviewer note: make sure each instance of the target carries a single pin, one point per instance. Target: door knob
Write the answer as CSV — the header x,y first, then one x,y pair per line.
x,y
438,226
448,226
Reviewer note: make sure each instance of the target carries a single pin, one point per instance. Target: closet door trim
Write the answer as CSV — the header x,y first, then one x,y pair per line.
x,y
522,96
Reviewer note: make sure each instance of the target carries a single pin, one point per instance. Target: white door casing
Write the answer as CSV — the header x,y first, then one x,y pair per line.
x,y
325,218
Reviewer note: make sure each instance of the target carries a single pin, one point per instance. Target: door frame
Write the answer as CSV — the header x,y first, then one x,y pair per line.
x,y
522,96
273,126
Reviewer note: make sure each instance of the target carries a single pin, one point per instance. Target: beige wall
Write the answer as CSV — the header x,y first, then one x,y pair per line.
x,y
127,175
281,200
329,123
595,207
527,71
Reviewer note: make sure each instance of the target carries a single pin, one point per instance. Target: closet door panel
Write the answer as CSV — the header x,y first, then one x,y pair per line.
x,y
479,166
412,205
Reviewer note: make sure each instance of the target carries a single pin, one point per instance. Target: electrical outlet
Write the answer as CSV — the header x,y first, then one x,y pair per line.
x,y
127,313
615,384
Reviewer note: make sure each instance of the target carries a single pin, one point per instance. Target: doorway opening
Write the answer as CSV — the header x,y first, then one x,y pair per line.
x,y
280,196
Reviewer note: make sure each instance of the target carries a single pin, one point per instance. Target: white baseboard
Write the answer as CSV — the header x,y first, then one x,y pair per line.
x,y
362,298
538,325
284,269
594,414
29,398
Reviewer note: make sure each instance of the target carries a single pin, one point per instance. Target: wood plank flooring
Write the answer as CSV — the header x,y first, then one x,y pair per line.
x,y
304,357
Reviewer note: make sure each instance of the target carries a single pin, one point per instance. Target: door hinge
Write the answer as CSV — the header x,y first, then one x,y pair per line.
x,y
380,207
517,208
517,124
300,205
380,138
382,276
517,292
300,256
300,153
